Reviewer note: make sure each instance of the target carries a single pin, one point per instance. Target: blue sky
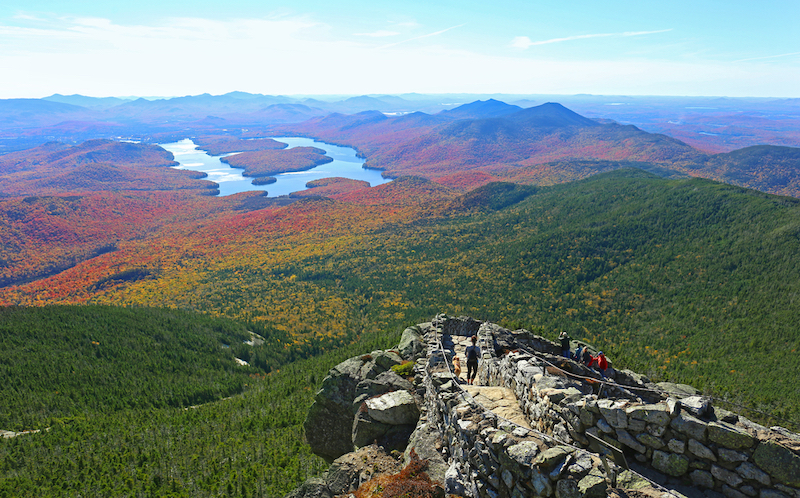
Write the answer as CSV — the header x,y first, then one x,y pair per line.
x,y
169,48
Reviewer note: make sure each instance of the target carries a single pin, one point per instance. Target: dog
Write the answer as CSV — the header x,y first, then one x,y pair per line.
x,y
457,366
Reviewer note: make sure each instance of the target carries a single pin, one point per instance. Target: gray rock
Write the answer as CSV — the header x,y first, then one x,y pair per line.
x,y
614,413
696,405
689,425
731,456
412,344
383,383
328,425
702,479
679,390
567,488
791,492
637,425
753,473
729,492
676,446
670,464
312,488
540,483
551,456
651,441
454,480
770,493
749,490
729,436
508,479
593,485
630,480
366,430
652,414
394,408
626,439
726,476
699,450
603,426
523,453
779,462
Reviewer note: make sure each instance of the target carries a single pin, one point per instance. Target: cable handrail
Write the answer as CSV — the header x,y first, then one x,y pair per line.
x,y
538,355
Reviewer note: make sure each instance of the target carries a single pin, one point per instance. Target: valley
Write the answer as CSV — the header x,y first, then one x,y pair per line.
x,y
131,286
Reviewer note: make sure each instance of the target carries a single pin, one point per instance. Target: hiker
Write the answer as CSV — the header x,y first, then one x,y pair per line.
x,y
564,338
472,353
578,353
586,356
600,364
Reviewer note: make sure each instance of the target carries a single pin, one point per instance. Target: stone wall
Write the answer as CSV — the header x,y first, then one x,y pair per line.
x,y
700,449
680,435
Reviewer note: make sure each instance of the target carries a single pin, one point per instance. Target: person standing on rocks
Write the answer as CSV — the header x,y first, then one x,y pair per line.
x,y
472,353
600,364
564,338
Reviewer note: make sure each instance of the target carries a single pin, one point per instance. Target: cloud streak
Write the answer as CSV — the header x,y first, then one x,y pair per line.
x,y
767,57
525,42
436,33
378,34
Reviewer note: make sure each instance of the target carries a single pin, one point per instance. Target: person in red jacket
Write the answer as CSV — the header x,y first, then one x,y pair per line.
x,y
599,363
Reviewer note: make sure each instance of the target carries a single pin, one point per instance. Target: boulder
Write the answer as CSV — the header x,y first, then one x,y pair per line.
x,y
329,423
367,430
412,344
394,408
385,382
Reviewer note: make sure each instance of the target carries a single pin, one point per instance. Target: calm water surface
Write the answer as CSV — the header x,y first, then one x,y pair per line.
x,y
230,180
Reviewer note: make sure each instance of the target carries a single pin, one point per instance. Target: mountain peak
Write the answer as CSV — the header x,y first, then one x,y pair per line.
x,y
550,115
481,109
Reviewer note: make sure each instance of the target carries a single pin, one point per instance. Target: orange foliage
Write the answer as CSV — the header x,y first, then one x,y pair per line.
x,y
272,162
411,481
216,145
328,187
93,166
467,180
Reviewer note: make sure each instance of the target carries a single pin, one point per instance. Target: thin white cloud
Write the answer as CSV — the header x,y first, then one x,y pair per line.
x,y
421,37
525,42
378,34
768,57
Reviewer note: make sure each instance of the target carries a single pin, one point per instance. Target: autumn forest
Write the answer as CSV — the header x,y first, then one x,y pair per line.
x,y
168,341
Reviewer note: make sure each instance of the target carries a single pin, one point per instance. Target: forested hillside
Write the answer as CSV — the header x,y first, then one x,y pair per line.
x,y
130,402
671,277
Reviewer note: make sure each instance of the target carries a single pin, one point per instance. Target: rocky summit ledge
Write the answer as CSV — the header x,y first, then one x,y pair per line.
x,y
401,421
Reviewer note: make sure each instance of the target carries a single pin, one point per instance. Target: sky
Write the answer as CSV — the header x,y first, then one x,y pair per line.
x,y
734,48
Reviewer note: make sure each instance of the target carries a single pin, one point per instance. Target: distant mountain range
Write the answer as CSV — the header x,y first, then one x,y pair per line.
x,y
712,124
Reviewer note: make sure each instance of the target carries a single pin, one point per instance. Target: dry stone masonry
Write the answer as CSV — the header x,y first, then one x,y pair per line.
x,y
550,444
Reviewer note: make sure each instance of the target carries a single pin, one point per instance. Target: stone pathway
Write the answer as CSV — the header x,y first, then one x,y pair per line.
x,y
500,400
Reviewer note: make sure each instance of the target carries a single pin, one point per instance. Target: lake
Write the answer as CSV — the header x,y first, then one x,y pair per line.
x,y
230,180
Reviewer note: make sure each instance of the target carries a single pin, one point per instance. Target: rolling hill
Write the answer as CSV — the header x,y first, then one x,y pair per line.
x,y
622,259
94,166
